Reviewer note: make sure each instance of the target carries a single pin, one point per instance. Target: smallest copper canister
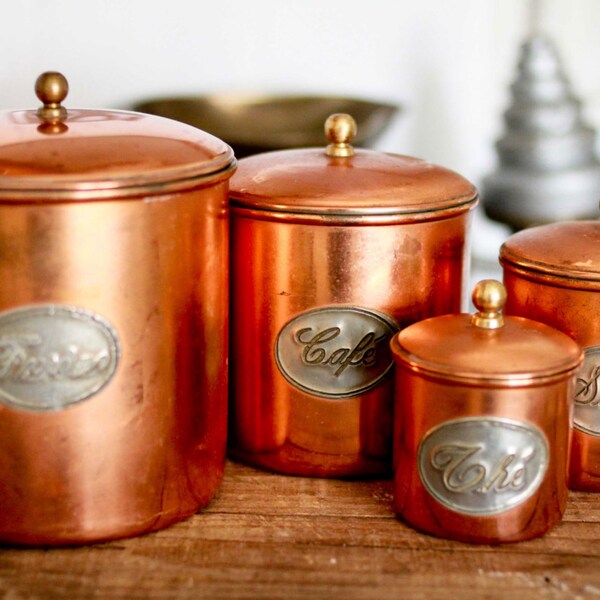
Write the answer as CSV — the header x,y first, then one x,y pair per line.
x,y
552,275
482,415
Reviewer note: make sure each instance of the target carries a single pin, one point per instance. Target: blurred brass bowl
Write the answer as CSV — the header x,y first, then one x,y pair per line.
x,y
252,124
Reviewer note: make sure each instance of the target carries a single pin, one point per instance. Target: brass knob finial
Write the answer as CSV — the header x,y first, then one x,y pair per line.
x,y
51,88
489,297
340,129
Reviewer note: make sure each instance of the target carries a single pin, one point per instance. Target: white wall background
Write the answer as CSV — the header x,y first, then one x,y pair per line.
x,y
448,62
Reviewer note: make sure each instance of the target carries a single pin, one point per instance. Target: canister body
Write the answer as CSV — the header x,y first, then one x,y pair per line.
x,y
477,463
315,300
571,306
113,380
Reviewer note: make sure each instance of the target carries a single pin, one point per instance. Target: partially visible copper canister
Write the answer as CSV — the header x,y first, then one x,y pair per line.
x,y
113,321
482,418
552,274
333,250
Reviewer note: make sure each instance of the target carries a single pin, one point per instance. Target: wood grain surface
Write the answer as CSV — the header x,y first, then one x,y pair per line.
x,y
270,536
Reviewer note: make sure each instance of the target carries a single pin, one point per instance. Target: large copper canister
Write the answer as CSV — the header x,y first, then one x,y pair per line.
x,y
113,321
552,274
333,250
481,432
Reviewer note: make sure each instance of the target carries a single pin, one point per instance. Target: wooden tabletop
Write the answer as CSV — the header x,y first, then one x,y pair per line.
x,y
270,536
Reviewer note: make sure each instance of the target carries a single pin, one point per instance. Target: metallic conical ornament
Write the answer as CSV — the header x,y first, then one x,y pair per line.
x,y
547,169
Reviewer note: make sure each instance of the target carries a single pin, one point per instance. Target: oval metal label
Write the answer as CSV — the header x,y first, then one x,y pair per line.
x,y
336,352
483,466
586,414
53,356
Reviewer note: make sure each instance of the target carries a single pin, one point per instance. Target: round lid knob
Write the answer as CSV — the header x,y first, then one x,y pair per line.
x,y
489,297
340,129
51,88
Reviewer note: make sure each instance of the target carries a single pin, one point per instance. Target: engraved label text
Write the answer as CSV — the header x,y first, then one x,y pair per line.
x,y
53,356
335,352
317,351
483,465
462,472
586,414
18,361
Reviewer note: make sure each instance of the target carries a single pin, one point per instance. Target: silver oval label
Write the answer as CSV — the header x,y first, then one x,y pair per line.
x,y
586,414
483,466
53,356
336,352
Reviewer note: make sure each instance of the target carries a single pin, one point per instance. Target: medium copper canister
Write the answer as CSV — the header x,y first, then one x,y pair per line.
x,y
481,432
552,274
334,250
113,321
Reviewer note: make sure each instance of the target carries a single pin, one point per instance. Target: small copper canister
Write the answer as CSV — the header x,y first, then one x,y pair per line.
x,y
333,250
113,321
552,274
482,417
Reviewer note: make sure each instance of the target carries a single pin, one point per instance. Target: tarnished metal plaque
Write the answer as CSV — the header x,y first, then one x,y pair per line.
x,y
337,351
483,466
586,415
53,356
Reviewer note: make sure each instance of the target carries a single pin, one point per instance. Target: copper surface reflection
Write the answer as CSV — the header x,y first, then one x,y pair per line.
x,y
481,423
148,448
546,408
333,250
282,268
553,275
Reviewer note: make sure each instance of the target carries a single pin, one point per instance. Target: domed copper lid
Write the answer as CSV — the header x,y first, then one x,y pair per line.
x,y
54,152
341,180
487,347
569,250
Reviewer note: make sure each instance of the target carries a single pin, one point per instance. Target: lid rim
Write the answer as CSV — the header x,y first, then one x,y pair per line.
x,y
537,267
448,204
82,193
506,379
77,183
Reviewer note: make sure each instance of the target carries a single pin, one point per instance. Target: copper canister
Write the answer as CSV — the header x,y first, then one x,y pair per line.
x,y
483,407
113,321
552,274
333,250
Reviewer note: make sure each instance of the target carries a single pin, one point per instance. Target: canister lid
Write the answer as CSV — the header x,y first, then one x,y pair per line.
x,y
487,347
567,249
341,180
64,153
